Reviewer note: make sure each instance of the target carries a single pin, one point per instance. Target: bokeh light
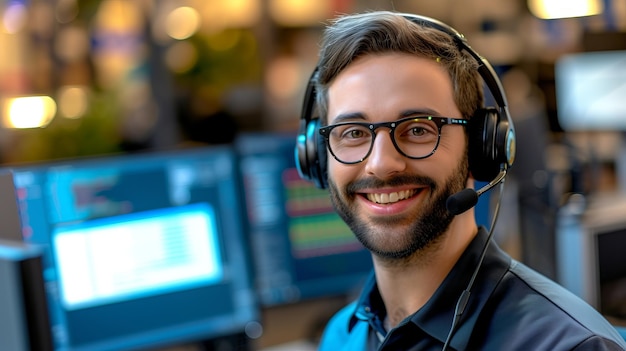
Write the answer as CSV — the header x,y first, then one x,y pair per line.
x,y
28,111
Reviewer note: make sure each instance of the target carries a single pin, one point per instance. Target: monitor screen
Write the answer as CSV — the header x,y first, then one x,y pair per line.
x,y
142,250
590,89
301,247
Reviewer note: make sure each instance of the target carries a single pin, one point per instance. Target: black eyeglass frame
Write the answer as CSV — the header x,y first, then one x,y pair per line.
x,y
372,127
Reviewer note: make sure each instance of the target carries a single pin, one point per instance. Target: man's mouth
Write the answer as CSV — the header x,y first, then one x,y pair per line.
x,y
387,198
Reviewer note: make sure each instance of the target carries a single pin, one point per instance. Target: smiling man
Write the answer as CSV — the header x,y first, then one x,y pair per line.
x,y
400,132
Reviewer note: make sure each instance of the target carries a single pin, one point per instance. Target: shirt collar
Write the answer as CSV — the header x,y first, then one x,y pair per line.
x,y
435,318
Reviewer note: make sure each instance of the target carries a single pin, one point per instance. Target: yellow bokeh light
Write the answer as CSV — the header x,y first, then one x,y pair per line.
x,y
73,102
219,15
29,112
553,9
119,16
182,23
299,12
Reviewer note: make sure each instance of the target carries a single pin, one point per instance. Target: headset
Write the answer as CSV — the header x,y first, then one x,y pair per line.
x,y
491,132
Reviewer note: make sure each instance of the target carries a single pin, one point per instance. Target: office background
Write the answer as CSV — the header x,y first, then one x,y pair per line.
x,y
84,79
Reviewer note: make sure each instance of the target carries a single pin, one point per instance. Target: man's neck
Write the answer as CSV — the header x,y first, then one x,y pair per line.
x,y
405,287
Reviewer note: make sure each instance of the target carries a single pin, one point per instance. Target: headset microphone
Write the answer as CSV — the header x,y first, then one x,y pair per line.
x,y
467,198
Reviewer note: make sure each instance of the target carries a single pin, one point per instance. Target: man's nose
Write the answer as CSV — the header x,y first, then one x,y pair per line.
x,y
384,159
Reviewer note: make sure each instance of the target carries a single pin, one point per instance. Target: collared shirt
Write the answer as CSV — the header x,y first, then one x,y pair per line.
x,y
510,307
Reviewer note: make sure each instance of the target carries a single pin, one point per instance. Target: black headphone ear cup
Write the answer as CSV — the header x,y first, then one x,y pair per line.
x,y
505,143
311,155
310,151
482,150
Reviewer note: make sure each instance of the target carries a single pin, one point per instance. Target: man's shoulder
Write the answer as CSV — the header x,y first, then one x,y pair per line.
x,y
523,285
536,307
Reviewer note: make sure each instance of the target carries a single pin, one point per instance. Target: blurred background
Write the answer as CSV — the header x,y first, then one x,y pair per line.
x,y
80,78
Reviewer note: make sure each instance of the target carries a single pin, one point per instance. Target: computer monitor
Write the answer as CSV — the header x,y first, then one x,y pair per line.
x,y
302,249
591,258
141,250
24,320
590,90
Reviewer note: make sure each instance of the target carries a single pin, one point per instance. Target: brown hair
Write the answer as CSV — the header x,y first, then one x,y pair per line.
x,y
352,36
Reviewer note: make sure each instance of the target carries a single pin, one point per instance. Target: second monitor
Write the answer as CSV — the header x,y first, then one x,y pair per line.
x,y
301,247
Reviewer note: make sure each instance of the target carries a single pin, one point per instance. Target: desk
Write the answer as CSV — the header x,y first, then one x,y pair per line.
x,y
297,325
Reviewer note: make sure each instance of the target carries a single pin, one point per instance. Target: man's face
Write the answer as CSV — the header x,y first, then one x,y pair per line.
x,y
393,204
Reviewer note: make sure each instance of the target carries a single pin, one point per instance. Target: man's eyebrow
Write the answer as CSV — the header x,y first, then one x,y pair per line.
x,y
349,117
419,112
359,116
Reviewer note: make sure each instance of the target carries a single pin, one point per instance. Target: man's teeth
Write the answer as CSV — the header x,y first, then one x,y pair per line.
x,y
390,197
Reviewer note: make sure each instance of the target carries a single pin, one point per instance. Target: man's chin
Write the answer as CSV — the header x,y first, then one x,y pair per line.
x,y
391,251
390,222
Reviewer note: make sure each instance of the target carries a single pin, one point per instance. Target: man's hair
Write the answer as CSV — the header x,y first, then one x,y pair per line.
x,y
352,36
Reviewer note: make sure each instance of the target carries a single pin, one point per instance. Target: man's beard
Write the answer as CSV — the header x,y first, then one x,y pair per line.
x,y
424,230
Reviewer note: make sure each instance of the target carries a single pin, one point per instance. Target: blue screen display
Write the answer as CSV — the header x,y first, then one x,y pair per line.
x,y
590,91
141,250
301,247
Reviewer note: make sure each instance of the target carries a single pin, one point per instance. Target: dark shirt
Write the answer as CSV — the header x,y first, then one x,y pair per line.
x,y
511,307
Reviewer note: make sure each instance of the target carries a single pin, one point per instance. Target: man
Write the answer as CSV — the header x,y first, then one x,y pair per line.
x,y
396,95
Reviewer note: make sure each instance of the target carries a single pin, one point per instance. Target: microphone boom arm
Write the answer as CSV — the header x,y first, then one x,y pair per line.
x,y
468,197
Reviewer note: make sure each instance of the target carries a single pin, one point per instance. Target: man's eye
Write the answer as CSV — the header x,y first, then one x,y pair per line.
x,y
355,134
418,131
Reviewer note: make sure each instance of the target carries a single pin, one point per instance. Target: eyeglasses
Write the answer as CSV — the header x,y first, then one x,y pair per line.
x,y
413,137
